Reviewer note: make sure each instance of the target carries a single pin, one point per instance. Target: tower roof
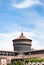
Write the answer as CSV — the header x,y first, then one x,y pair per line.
x,y
22,37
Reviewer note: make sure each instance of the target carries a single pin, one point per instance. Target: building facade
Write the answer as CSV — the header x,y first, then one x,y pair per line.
x,y
22,51
22,44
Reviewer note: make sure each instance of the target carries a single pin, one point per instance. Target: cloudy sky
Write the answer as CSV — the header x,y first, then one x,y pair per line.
x,y
21,15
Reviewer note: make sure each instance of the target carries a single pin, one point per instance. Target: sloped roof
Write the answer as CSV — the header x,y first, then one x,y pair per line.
x,y
22,37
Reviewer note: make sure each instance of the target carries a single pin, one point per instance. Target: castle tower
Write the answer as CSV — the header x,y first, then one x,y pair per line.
x,y
22,44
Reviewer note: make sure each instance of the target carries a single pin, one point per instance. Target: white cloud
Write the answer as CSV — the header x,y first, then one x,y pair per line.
x,y
6,39
7,44
37,36
25,3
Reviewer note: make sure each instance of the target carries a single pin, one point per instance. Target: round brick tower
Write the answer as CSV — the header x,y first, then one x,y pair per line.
x,y
22,44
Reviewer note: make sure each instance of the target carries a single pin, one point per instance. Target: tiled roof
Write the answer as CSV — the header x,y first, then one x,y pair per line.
x,y
37,56
28,56
22,37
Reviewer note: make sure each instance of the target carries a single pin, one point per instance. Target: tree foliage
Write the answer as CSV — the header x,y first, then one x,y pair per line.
x,y
34,60
17,63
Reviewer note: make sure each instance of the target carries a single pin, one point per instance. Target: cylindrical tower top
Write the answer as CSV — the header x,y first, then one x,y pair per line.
x,y
22,37
22,43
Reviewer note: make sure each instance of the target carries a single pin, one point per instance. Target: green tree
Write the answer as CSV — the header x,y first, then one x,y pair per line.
x,y
43,59
27,60
34,60
17,63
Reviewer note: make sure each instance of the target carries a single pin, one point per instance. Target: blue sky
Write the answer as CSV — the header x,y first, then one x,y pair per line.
x,y
21,15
